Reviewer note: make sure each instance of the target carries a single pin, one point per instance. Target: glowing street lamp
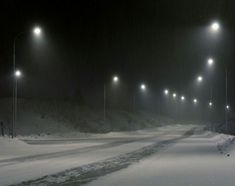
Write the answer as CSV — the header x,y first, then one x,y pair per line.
x,y
115,79
37,31
166,91
143,87
174,95
182,98
210,104
195,101
199,79
210,61
215,26
227,107
17,73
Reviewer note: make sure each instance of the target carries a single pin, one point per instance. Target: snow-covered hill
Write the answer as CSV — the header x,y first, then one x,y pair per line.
x,y
49,117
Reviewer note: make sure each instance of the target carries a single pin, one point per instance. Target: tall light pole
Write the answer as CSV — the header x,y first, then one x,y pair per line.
x,y
226,99
17,75
210,63
142,88
104,106
215,27
37,32
115,80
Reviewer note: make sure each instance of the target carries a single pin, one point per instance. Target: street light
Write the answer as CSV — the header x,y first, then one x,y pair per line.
x,y
199,79
37,32
227,107
17,73
215,26
182,98
210,61
115,79
210,104
174,95
166,91
143,87
195,101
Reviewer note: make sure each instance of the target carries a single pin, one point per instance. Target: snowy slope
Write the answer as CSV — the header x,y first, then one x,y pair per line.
x,y
46,117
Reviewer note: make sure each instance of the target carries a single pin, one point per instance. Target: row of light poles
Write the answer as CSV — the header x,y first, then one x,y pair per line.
x,y
214,28
116,80
37,31
17,74
183,98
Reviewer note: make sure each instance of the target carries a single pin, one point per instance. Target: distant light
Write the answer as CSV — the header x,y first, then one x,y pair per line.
x,y
215,26
143,87
17,73
115,79
182,98
210,104
194,100
210,61
166,91
199,78
227,107
37,31
174,95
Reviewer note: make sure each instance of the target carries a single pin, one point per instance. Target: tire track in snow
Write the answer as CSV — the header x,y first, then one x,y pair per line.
x,y
12,161
87,173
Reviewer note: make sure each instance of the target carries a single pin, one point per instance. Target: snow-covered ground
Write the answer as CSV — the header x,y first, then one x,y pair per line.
x,y
201,160
21,162
168,155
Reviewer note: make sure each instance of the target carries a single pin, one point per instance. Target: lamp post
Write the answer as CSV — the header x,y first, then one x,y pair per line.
x,y
215,26
143,88
226,99
210,62
210,104
199,79
16,73
182,98
166,91
115,80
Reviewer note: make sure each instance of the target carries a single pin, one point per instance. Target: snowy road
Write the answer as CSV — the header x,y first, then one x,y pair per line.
x,y
166,156
112,155
204,159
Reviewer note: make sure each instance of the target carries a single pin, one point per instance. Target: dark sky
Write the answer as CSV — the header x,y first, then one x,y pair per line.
x,y
162,43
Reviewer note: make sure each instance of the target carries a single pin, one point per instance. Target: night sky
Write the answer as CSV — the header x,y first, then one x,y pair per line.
x,y
161,43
